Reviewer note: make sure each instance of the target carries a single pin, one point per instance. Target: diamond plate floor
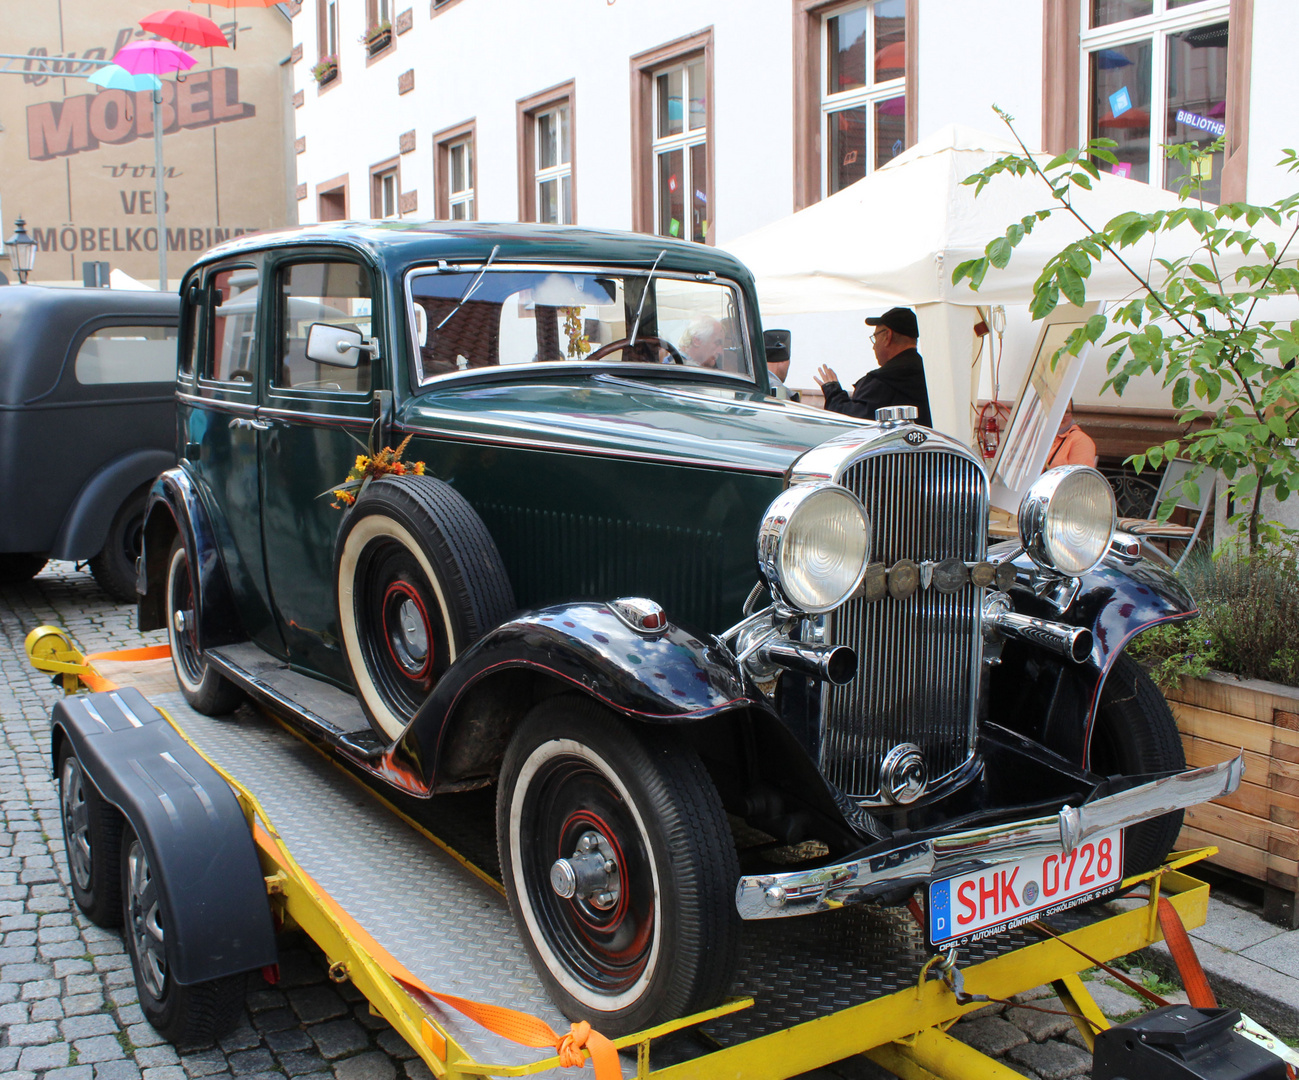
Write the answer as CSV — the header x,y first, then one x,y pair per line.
x,y
456,933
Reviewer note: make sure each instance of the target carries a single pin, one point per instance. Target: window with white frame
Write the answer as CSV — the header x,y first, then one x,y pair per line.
x,y
863,91
553,175
460,180
1155,74
331,27
680,151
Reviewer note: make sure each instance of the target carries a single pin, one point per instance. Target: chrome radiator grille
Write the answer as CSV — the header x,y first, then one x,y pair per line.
x,y
919,657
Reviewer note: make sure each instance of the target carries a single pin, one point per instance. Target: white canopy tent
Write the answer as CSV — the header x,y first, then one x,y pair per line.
x,y
895,236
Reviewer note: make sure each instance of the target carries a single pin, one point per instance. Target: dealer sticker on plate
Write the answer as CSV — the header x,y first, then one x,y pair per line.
x,y
984,902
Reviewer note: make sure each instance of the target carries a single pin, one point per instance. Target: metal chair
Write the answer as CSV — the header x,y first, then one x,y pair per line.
x,y
1148,529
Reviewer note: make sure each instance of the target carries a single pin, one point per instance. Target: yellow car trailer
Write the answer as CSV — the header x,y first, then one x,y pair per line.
x,y
419,924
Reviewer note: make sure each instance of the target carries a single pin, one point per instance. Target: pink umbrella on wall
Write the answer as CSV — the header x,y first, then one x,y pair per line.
x,y
153,58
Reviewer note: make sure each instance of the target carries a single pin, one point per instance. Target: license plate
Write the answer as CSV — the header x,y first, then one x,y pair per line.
x,y
984,902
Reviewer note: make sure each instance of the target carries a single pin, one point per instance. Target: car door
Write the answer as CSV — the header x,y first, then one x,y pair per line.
x,y
217,406
319,418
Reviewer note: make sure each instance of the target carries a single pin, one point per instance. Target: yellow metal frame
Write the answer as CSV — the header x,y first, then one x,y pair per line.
x,y
905,1031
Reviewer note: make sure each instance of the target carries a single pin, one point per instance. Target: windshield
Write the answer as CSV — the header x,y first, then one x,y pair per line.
x,y
527,316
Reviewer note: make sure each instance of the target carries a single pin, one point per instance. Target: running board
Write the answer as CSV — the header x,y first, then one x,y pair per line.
x,y
318,708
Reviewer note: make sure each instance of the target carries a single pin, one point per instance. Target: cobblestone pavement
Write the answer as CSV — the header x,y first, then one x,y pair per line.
x,y
68,1006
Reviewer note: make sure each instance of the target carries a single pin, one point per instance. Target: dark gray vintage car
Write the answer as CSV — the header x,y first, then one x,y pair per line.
x,y
87,421
722,656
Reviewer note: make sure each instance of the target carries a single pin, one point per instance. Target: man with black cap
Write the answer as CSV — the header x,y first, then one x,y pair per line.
x,y
899,379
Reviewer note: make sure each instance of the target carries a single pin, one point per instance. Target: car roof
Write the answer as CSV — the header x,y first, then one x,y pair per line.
x,y
402,243
39,322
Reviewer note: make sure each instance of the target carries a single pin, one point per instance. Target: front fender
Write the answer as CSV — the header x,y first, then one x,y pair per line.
x,y
1055,701
174,505
666,677
85,526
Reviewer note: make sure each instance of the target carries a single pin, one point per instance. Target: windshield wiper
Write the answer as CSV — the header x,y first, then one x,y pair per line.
x,y
472,286
635,326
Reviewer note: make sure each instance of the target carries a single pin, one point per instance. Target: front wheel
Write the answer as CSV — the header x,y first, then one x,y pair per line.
x,y
206,689
1135,733
193,1015
618,866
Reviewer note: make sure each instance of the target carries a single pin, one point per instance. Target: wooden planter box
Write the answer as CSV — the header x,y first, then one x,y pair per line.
x,y
1256,829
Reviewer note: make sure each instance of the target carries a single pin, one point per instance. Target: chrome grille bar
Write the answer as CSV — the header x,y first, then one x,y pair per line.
x,y
919,657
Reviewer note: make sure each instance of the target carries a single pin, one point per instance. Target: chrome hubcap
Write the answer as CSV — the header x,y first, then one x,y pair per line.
x,y
76,821
146,922
413,630
590,874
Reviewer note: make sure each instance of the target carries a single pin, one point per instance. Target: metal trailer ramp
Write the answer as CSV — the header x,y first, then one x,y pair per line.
x,y
384,899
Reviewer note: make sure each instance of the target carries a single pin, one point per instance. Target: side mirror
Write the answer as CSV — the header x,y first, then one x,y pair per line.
x,y
338,346
776,343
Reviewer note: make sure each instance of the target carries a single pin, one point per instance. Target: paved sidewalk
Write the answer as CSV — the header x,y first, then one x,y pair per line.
x,y
68,1007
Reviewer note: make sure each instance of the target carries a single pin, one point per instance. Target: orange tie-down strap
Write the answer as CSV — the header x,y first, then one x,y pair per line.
x,y
519,1027
98,683
1198,992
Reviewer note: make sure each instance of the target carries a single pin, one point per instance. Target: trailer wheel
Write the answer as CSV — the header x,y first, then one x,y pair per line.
x,y
193,1015
618,865
206,689
1135,733
92,838
418,580
114,567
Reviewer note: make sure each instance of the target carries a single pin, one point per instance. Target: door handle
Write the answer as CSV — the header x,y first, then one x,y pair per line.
x,y
249,422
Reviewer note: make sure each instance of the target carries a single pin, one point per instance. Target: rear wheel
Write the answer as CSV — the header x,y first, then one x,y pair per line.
x,y
192,1015
419,580
1135,733
92,838
114,567
208,691
618,865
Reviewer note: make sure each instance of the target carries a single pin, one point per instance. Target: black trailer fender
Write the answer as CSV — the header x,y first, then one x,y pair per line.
x,y
175,505
210,883
85,528
666,676
1053,700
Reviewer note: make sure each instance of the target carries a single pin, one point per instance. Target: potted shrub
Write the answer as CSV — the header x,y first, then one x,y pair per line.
x,y
326,70
1232,679
378,38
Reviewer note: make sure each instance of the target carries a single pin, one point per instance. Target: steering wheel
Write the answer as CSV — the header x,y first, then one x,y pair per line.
x,y
622,343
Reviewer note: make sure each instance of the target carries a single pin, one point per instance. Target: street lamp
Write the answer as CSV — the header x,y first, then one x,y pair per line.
x,y
22,251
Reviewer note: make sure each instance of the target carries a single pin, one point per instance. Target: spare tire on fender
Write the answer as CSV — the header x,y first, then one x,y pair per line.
x,y
418,579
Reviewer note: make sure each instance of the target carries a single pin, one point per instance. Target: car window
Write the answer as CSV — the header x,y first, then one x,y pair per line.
x,y
127,354
337,293
523,316
233,296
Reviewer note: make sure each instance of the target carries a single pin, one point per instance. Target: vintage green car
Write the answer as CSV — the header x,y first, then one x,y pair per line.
x,y
724,656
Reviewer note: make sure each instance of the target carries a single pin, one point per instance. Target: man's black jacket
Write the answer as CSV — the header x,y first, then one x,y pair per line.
x,y
901,381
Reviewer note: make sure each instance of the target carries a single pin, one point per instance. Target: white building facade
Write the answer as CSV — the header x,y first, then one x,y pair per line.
x,y
714,117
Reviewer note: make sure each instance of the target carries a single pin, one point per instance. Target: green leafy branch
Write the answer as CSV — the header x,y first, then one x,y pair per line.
x,y
1231,375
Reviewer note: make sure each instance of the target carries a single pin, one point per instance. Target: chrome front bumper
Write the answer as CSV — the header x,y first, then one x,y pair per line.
x,y
801,892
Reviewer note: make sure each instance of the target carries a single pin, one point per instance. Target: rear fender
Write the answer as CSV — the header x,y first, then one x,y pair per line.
x,y
174,506
665,677
1056,702
85,527
210,883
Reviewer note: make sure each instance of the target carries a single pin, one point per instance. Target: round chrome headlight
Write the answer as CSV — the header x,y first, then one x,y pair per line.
x,y
1066,520
812,546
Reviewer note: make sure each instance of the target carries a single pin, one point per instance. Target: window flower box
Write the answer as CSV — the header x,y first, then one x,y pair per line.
x,y
326,71
377,38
